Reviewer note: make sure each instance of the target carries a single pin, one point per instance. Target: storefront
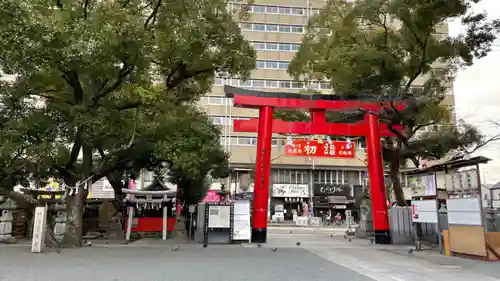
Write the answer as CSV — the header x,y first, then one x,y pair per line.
x,y
330,199
287,199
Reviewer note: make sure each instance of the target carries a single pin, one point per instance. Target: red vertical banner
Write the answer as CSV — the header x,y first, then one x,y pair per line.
x,y
316,148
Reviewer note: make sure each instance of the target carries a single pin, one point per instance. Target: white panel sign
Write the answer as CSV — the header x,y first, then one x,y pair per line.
x,y
241,229
291,190
464,211
38,241
219,216
424,211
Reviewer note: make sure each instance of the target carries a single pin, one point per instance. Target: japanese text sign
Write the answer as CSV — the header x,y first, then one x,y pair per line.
x,y
315,148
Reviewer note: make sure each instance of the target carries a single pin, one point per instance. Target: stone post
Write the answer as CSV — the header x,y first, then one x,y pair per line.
x,y
6,219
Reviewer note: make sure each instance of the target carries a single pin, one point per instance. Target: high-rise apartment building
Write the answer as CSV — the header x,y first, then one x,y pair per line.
x,y
275,29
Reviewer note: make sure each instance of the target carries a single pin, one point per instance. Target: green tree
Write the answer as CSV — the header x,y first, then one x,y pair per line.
x,y
389,50
94,74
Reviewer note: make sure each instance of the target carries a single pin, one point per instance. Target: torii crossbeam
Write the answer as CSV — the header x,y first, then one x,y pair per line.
x,y
317,105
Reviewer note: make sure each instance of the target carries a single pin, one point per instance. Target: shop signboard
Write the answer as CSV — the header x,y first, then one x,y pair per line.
x,y
291,190
317,148
343,190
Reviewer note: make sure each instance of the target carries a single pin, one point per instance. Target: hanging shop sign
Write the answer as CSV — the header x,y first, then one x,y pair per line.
x,y
332,190
291,190
316,148
339,207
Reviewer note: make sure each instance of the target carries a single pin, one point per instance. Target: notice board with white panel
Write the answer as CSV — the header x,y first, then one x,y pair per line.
x,y
424,211
464,211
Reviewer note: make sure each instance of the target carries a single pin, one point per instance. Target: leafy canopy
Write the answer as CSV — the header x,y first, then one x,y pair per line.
x,y
106,86
398,50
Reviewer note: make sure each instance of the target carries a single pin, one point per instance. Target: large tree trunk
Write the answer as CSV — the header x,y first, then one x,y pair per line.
x,y
115,179
75,205
395,177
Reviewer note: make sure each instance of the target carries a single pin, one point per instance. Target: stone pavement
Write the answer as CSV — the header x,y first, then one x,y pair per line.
x,y
319,257
389,262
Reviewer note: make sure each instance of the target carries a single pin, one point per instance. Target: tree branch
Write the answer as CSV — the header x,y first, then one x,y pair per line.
x,y
122,73
73,80
42,95
418,127
152,17
85,9
183,74
483,144
75,150
130,105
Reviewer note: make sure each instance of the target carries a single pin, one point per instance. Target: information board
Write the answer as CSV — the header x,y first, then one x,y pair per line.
x,y
424,211
219,216
464,211
241,224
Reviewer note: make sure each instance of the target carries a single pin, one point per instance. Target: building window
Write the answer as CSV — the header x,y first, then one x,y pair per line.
x,y
297,11
219,81
271,10
282,10
247,141
275,46
258,84
324,85
258,9
272,28
269,83
226,121
215,100
285,28
259,27
289,176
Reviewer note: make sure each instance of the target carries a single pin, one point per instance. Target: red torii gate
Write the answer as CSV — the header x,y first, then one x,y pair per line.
x,y
317,106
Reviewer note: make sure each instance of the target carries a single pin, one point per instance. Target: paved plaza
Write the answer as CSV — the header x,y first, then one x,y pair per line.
x,y
319,257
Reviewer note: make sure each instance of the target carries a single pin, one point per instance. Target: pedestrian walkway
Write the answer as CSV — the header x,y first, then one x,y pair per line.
x,y
386,266
388,262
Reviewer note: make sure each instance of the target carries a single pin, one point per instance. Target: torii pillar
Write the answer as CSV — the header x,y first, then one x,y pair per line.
x,y
317,106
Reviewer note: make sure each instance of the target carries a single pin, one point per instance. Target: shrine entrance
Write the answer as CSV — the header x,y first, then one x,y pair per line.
x,y
317,105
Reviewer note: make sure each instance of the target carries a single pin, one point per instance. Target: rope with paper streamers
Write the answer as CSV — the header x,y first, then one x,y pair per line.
x,y
74,190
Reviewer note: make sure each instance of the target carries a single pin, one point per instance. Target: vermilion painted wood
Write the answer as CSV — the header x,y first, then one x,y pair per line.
x,y
317,107
308,128
376,174
329,105
262,171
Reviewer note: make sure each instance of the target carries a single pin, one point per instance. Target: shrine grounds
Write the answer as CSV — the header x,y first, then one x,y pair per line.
x,y
319,257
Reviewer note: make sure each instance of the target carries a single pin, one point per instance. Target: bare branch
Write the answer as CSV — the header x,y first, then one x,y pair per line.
x,y
132,138
85,9
75,150
73,80
418,127
483,144
181,73
152,17
122,74
42,94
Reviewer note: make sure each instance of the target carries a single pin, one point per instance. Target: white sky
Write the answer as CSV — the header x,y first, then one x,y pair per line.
x,y
477,91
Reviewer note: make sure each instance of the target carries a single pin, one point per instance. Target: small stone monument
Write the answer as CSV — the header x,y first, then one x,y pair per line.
x,y
6,220
109,220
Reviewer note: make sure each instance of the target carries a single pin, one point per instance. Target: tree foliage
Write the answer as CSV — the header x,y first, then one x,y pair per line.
x,y
103,87
392,50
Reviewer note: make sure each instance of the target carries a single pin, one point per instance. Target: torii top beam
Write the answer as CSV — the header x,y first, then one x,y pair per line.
x,y
257,99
